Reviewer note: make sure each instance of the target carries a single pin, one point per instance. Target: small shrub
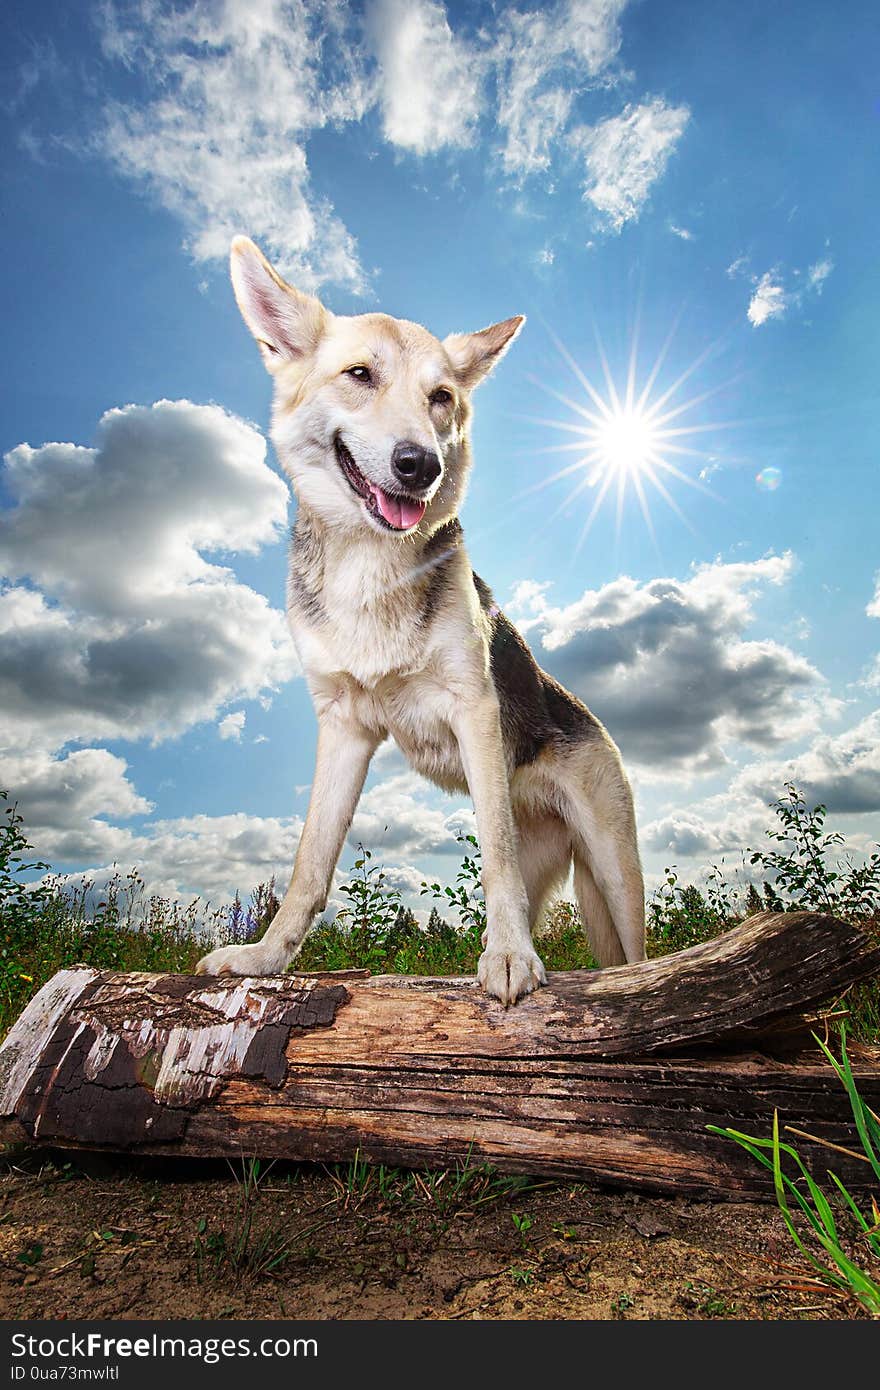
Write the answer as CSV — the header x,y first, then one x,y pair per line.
x,y
681,915
805,873
466,897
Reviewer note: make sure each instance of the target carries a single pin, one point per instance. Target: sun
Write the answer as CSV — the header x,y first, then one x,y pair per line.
x,y
626,442
629,437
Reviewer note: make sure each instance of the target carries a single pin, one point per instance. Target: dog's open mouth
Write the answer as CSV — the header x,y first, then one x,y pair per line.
x,y
395,511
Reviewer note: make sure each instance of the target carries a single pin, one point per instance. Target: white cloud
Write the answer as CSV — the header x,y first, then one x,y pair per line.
x,y
69,804
777,291
429,80
235,89
769,300
63,801
626,154
681,232
232,725
404,879
871,680
818,273
230,95
873,608
400,816
41,66
217,855
543,58
841,771
114,625
667,666
714,827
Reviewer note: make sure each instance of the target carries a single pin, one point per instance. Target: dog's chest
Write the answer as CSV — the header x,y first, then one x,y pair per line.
x,y
364,643
362,620
389,680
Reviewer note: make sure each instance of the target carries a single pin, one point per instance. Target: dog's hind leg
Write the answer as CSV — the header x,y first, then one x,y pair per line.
x,y
608,875
544,853
598,925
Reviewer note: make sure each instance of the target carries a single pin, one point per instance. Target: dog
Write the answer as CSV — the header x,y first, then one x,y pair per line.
x,y
397,636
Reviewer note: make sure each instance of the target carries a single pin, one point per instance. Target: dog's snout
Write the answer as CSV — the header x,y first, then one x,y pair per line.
x,y
414,466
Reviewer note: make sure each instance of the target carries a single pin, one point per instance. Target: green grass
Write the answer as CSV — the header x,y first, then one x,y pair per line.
x,y
252,1245
846,1231
443,1192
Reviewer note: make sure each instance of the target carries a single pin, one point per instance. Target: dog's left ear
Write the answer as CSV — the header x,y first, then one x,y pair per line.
x,y
475,354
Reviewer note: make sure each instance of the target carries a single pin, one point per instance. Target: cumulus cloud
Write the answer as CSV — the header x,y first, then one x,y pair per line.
x,y
212,857
714,827
840,771
405,879
64,800
666,665
400,815
113,624
234,91
430,83
232,725
217,855
72,804
625,156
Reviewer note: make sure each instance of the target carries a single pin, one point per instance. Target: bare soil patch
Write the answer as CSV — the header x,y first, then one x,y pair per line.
x,y
169,1242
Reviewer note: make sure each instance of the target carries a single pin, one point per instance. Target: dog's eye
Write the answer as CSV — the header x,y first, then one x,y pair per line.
x,y
441,396
360,374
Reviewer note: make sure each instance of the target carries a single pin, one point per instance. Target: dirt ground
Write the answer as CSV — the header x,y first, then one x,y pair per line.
x,y
302,1242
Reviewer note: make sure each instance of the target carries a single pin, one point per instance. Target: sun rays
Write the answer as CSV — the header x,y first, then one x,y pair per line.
x,y
628,438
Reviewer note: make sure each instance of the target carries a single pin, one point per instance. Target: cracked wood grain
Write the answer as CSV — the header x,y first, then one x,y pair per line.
x,y
122,1059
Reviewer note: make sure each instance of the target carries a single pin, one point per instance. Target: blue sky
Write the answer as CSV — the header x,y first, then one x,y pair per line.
x,y
699,177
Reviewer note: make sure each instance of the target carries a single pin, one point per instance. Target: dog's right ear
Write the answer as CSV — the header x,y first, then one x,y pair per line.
x,y
286,323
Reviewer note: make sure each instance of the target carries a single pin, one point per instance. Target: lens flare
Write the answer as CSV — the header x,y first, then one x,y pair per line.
x,y
769,479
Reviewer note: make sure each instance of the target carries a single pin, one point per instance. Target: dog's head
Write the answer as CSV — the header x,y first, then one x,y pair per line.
x,y
371,413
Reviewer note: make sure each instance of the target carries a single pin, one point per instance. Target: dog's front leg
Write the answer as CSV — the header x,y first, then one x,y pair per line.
x,y
509,966
344,753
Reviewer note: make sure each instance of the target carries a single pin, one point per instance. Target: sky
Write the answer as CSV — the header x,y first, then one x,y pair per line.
x,y
683,200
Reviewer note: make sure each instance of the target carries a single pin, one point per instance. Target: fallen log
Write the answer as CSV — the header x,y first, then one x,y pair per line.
x,y
607,1075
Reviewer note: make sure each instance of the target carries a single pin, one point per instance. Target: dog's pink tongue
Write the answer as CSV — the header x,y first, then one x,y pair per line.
x,y
400,512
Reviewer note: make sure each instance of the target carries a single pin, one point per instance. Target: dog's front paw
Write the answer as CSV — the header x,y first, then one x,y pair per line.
x,y
508,975
238,960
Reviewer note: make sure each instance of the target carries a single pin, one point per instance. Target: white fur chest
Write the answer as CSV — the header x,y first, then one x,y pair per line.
x,y
372,659
361,636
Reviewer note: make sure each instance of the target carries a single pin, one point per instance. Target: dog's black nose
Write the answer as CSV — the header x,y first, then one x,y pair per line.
x,y
414,466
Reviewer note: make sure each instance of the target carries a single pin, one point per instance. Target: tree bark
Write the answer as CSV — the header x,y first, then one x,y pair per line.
x,y
606,1075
